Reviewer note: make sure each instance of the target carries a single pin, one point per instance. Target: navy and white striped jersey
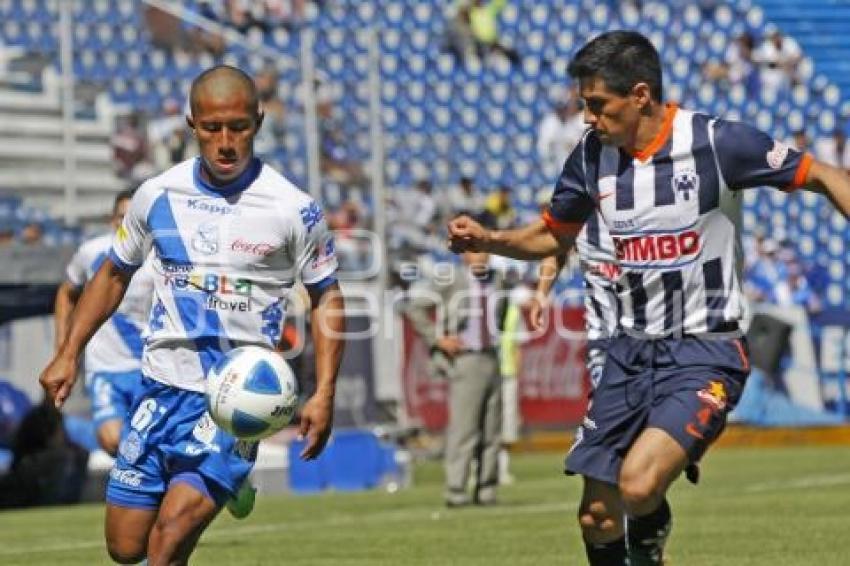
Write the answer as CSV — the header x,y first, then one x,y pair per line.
x,y
672,214
599,268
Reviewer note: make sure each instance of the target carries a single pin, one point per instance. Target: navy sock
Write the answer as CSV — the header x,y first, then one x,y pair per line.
x,y
606,553
647,535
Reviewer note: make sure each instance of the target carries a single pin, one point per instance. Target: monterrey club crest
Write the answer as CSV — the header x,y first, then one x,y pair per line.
x,y
685,183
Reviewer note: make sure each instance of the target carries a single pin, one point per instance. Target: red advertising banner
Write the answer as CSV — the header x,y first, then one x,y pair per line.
x,y
553,380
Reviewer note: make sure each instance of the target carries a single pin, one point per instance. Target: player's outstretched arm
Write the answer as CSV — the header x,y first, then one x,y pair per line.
x,y
98,301
66,299
832,182
532,241
550,268
327,317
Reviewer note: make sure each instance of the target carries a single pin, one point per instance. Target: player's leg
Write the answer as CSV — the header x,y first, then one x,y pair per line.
x,y
467,389
510,427
654,461
112,397
600,516
616,415
108,436
702,383
189,506
491,441
126,531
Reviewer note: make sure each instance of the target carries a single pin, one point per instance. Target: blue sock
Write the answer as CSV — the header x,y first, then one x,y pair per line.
x,y
647,534
607,553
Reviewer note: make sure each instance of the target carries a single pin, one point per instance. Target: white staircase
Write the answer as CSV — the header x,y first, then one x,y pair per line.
x,y
32,152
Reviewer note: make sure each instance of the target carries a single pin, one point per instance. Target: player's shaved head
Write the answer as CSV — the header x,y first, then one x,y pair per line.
x,y
223,82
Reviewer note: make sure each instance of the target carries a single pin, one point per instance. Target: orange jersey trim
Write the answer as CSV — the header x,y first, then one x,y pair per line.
x,y
802,172
559,228
663,135
743,354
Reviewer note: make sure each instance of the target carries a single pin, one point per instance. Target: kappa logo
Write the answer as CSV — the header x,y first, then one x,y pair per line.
x,y
684,182
776,156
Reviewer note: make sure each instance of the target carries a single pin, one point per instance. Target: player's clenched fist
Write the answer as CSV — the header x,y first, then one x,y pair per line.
x,y
58,378
466,235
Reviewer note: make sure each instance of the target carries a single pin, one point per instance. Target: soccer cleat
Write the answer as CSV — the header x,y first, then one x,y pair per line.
x,y
241,504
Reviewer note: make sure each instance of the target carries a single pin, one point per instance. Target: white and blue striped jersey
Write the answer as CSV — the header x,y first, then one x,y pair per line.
x,y
117,345
599,269
672,212
225,262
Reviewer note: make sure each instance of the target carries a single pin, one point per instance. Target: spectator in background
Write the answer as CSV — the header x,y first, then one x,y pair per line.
x,y
777,58
559,132
7,237
168,136
414,214
766,279
802,293
273,129
352,251
499,206
463,199
458,39
32,234
129,146
834,149
484,24
336,159
738,67
800,140
463,340
48,469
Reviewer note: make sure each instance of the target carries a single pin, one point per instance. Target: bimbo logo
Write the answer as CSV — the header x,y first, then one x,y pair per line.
x,y
654,247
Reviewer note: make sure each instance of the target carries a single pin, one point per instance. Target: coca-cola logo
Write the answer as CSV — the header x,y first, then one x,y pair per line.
x,y
253,248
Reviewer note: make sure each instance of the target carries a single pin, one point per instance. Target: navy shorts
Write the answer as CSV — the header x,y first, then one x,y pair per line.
x,y
168,437
684,386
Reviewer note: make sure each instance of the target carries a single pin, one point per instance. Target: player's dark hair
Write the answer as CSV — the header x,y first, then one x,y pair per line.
x,y
622,59
126,194
225,72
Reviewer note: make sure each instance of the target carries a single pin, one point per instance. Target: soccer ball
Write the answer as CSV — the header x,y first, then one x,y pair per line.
x,y
251,393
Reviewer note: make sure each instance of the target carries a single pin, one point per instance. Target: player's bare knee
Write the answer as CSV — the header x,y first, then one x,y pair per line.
x,y
641,495
125,551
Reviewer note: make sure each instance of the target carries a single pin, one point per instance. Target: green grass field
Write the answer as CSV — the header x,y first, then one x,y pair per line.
x,y
776,507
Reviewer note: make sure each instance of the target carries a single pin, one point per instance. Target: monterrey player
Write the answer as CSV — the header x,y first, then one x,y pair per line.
x,y
113,357
230,237
665,182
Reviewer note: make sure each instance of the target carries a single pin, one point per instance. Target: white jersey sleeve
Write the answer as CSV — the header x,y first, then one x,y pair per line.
x,y
76,270
313,247
132,240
